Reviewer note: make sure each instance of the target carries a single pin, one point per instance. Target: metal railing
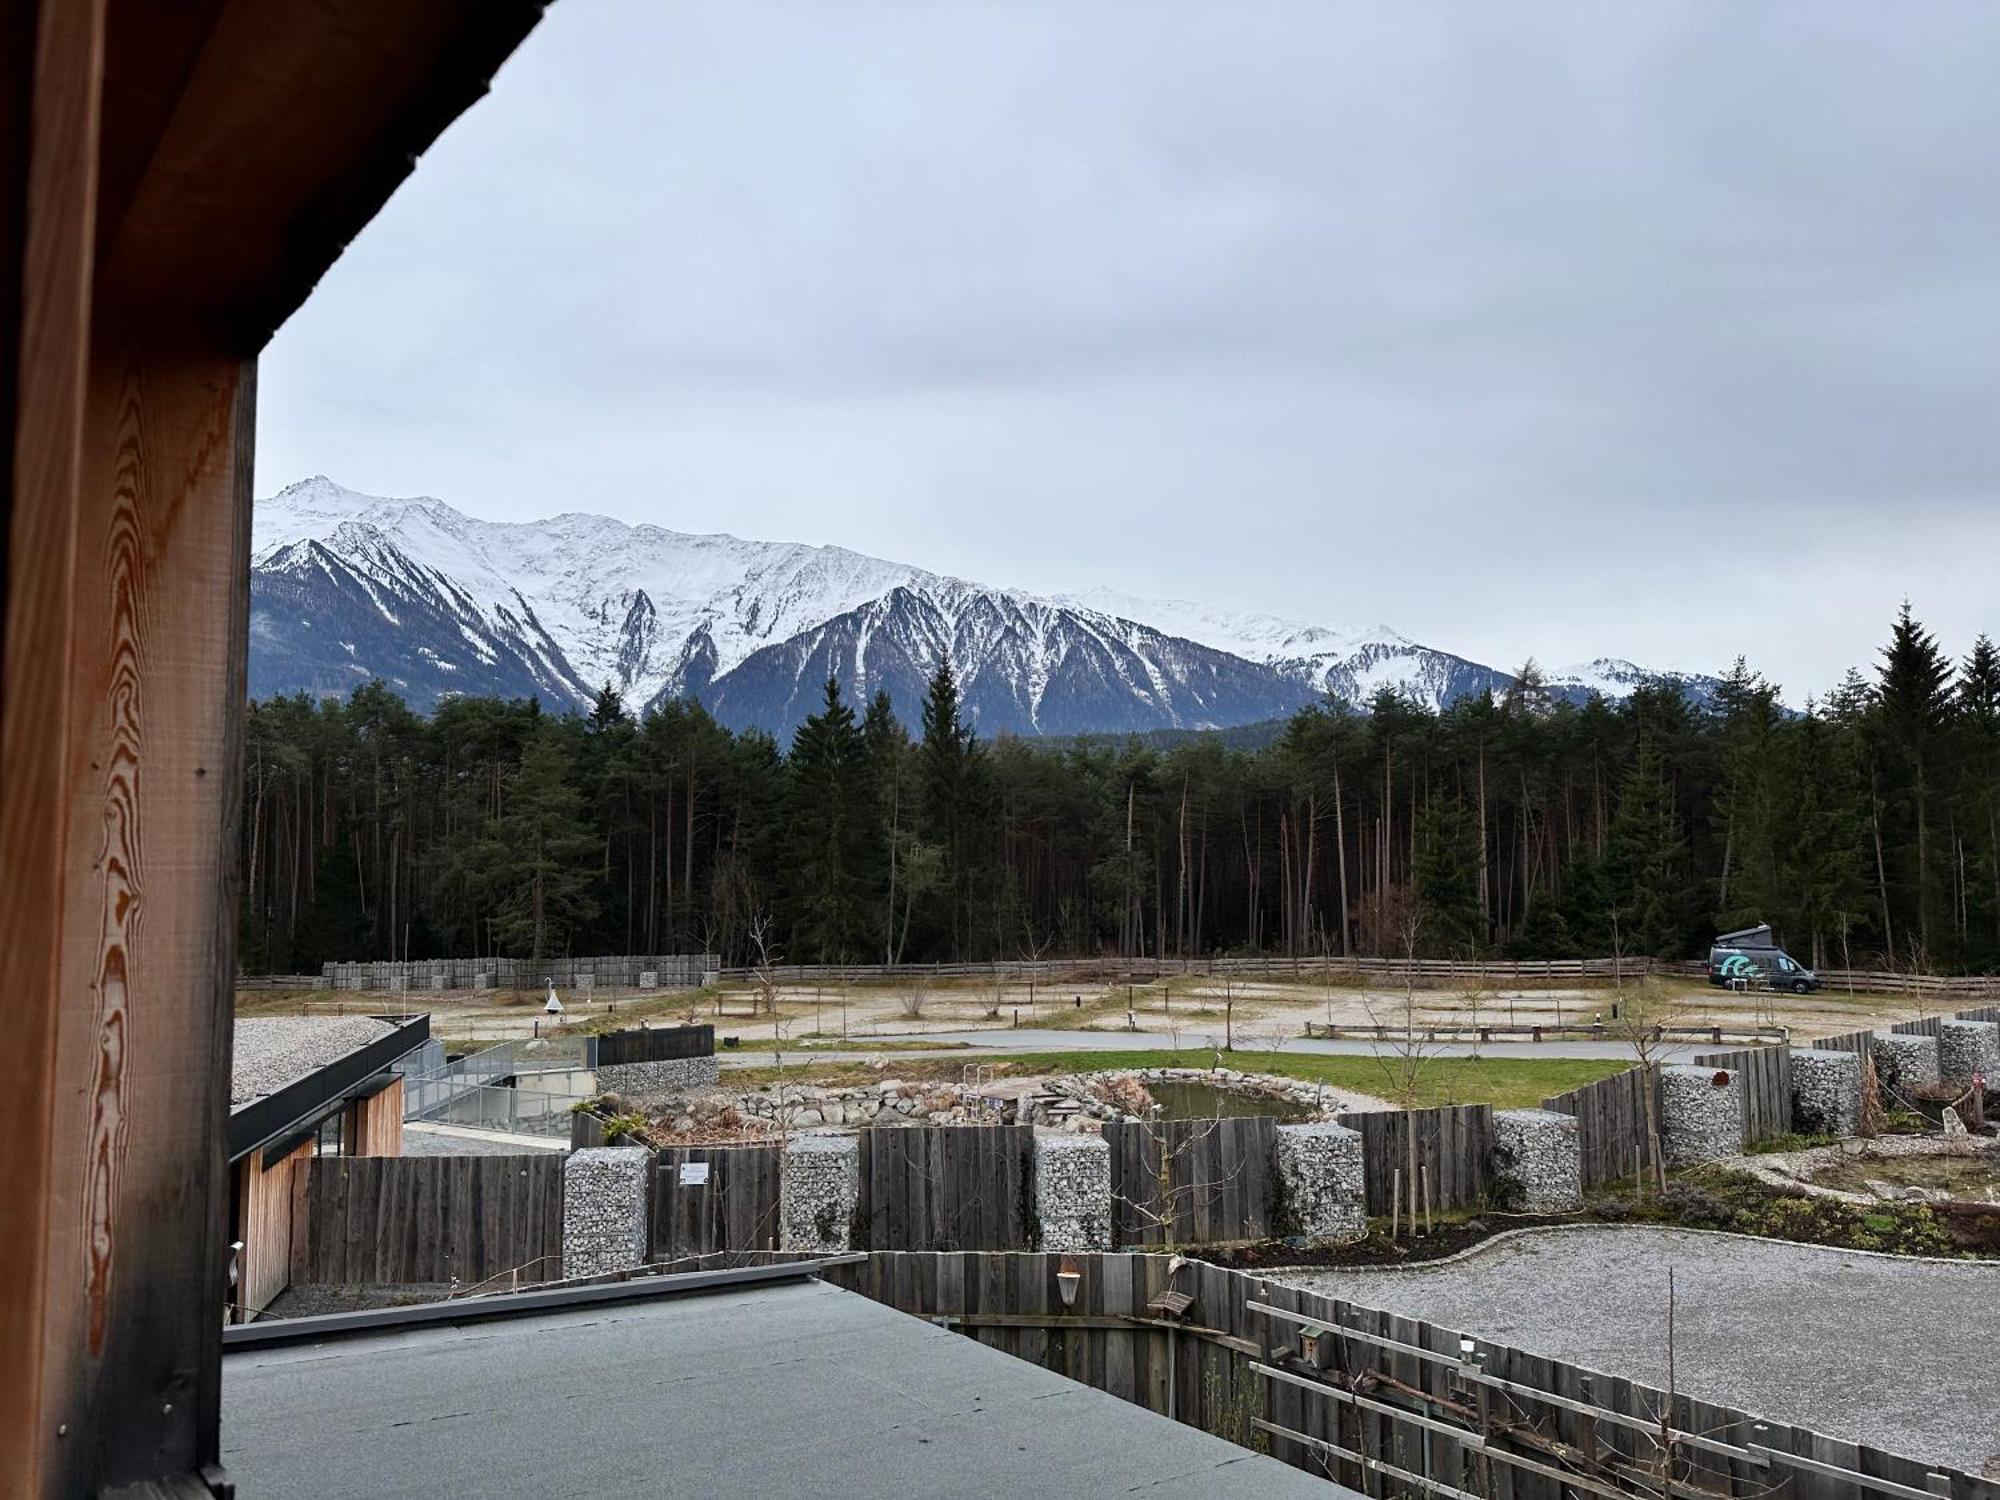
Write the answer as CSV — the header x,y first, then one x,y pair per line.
x,y
490,1107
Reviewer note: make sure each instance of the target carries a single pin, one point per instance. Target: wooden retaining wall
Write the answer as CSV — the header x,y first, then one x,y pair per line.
x,y
730,1203
1396,1392
1454,1143
361,1220
1191,1181
1611,1124
1764,1076
947,1187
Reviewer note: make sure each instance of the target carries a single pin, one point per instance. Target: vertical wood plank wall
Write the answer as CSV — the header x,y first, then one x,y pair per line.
x,y
1190,1181
384,1220
264,1225
378,1123
735,1209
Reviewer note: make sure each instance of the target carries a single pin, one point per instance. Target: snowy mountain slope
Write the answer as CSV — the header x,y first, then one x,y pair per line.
x,y
346,586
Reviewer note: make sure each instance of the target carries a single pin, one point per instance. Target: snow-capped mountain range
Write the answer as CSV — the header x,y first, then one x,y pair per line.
x,y
346,587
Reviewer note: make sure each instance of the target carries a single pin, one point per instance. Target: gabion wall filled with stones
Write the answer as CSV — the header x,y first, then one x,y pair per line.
x,y
1826,1092
1319,1173
1073,1191
1905,1060
604,1209
1968,1047
820,1186
1701,1115
1537,1161
673,1075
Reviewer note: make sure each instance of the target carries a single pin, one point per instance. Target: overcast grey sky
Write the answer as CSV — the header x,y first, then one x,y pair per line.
x,y
1652,330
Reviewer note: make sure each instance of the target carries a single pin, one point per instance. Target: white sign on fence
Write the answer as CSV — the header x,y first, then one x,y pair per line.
x,y
694,1174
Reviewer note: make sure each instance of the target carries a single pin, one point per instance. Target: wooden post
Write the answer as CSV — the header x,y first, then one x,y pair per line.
x,y
52,57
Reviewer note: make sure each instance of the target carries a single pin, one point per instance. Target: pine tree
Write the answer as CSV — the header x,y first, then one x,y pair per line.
x,y
1745,813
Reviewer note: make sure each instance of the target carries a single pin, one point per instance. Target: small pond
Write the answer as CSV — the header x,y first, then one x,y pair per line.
x,y
1181,1100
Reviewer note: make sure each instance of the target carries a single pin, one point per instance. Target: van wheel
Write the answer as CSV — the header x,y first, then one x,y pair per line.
x,y
1800,987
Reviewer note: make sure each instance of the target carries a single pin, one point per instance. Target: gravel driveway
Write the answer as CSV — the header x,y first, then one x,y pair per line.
x,y
1895,1353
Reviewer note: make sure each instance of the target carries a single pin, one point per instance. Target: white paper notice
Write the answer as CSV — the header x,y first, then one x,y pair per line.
x,y
694,1173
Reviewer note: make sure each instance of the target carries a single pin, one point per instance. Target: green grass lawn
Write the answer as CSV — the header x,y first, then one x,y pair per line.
x,y
1505,1082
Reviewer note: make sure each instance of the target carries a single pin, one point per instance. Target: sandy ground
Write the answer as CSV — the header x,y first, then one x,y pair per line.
x,y
1888,1351
1258,1014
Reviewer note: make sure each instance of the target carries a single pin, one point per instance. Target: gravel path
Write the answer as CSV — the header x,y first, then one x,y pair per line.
x,y
1895,1353
271,1051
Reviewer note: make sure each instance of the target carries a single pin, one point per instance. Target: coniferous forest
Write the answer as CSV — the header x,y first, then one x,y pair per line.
x,y
1865,829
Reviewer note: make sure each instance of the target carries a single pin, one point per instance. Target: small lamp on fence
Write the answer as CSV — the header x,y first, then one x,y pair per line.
x,y
1068,1278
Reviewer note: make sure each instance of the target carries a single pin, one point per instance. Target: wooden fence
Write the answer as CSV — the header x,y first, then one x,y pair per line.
x,y
1395,1408
1191,1181
652,1044
1612,1138
947,1187
728,1203
389,1219
1764,1078
1453,1145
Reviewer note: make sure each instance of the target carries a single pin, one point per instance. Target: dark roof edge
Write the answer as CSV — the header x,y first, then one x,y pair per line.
x,y
282,1331
261,1121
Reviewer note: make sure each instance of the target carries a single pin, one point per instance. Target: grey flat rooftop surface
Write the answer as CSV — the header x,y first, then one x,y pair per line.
x,y
1896,1354
272,1051
797,1388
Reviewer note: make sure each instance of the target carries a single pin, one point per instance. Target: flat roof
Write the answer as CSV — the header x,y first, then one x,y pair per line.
x,y
287,1071
786,1388
272,1051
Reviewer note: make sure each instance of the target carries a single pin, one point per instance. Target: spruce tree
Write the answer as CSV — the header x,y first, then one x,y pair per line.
x,y
829,823
1644,860
1913,710
1448,882
949,770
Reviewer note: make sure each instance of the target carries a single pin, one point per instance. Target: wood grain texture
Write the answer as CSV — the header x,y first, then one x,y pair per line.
x,y
265,1210
154,719
53,106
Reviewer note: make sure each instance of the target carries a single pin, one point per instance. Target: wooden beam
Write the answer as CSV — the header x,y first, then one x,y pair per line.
x,y
155,718
53,108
